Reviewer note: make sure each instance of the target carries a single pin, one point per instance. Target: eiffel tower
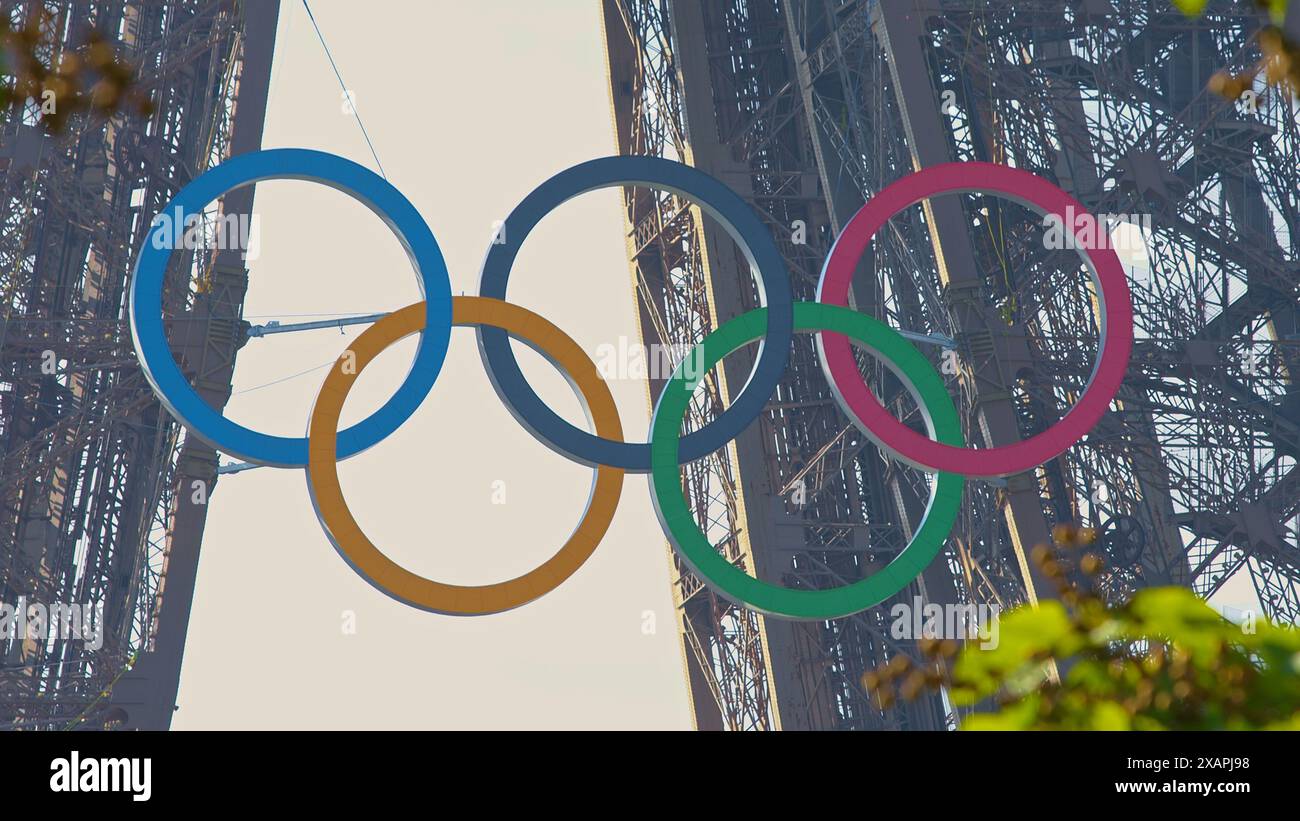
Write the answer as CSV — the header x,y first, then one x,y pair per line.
x,y
810,107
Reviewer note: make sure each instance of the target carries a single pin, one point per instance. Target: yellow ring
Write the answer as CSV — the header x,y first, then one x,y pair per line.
x,y
353,544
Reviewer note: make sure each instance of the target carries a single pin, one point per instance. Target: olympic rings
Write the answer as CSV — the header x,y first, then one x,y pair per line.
x,y
385,574
712,567
1116,313
739,220
496,321
150,337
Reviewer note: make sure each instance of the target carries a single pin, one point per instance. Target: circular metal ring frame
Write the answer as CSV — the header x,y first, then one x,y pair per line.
x,y
695,548
733,214
1115,308
367,559
377,194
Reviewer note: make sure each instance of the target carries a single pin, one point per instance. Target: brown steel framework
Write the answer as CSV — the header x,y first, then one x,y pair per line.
x,y
102,496
807,107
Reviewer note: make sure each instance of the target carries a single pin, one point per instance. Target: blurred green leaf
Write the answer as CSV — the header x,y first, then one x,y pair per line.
x,y
1110,716
1191,8
1165,660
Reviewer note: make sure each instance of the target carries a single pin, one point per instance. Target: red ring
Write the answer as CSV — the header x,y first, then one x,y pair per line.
x,y
879,424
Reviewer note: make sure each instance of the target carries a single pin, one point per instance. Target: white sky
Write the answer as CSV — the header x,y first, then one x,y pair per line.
x,y
470,105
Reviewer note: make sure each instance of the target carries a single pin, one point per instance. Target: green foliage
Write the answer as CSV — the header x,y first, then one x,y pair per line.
x,y
1165,661
1276,8
1191,8
63,82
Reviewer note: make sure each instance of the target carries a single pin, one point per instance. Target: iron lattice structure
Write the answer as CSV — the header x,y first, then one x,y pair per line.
x,y
102,496
808,107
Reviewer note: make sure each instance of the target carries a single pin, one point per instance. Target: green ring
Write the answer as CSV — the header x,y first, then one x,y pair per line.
x,y
693,546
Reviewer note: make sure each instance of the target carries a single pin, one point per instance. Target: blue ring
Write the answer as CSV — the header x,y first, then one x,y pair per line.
x,y
149,336
744,226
